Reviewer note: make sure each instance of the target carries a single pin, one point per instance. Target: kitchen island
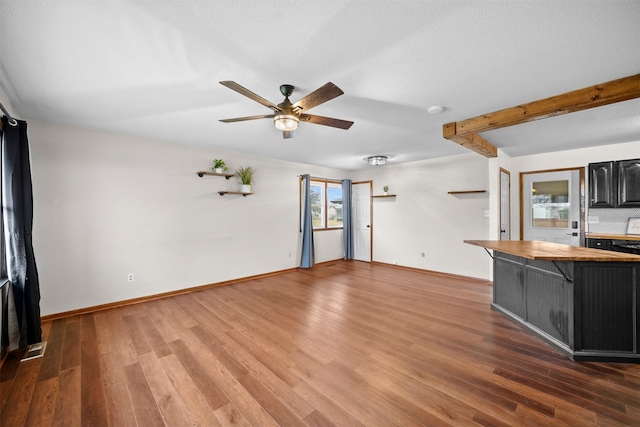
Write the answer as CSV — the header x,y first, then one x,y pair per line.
x,y
582,301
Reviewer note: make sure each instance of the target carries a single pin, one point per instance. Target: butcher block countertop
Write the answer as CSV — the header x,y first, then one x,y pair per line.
x,y
553,251
613,236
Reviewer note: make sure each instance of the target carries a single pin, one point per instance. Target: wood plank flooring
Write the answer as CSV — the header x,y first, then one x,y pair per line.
x,y
342,344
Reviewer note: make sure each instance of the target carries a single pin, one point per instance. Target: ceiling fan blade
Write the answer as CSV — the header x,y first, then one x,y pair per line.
x,y
243,119
246,92
288,134
319,96
326,121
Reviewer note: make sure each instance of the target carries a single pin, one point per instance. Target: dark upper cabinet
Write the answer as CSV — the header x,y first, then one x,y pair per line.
x,y
628,182
614,184
602,182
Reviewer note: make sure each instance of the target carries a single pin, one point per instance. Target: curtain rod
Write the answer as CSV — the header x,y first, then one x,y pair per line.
x,y
11,120
317,178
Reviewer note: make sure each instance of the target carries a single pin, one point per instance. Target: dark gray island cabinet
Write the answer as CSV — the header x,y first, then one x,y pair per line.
x,y
584,302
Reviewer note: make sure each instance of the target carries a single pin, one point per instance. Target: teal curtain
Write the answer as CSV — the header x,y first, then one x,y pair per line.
x,y
347,221
308,257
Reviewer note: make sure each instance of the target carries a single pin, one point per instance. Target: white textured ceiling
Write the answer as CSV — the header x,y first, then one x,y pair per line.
x,y
152,68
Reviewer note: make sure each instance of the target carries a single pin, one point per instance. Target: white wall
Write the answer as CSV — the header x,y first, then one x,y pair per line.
x,y
7,105
423,218
538,162
107,205
562,159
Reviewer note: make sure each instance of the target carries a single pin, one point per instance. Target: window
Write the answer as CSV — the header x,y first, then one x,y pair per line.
x,y
326,204
550,204
334,205
317,204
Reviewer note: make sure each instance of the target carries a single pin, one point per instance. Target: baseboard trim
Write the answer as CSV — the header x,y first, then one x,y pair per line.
x,y
139,300
438,273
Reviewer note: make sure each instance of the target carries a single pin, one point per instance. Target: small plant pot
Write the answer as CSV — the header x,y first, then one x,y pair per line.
x,y
218,170
245,188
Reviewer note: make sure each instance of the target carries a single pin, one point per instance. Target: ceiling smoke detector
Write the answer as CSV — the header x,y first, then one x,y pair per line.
x,y
436,109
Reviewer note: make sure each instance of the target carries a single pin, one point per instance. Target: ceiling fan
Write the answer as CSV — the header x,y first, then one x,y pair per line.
x,y
286,115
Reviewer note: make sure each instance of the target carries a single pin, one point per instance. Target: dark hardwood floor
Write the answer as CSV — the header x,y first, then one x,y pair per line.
x,y
345,344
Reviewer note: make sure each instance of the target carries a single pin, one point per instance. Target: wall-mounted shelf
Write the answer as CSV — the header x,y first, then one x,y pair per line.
x,y
383,195
226,175
466,192
222,193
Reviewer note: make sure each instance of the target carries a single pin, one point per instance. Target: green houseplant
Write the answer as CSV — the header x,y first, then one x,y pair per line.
x,y
219,166
246,176
385,189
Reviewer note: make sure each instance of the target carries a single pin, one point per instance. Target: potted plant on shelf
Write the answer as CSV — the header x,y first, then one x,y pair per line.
x,y
246,175
219,166
385,189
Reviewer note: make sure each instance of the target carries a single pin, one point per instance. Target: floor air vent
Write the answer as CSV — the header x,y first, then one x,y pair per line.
x,y
34,351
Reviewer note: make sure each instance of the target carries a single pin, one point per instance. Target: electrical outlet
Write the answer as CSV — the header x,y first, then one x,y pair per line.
x,y
130,277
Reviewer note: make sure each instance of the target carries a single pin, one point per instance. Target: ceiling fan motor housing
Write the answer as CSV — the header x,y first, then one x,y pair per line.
x,y
286,90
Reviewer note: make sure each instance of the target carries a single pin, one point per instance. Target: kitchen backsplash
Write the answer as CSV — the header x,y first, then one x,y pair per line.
x,y
611,221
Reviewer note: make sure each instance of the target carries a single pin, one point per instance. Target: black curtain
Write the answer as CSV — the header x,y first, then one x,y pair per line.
x,y
17,206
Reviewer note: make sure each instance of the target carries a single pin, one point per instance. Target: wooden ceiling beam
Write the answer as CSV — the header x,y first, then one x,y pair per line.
x,y
472,142
599,95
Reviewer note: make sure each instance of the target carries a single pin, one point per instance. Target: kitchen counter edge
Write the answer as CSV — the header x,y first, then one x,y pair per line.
x,y
548,251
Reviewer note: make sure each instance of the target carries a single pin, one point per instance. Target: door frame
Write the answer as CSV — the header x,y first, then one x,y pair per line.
x,y
370,182
502,170
581,171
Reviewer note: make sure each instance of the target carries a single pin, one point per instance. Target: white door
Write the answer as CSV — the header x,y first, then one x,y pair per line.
x,y
551,207
505,205
361,202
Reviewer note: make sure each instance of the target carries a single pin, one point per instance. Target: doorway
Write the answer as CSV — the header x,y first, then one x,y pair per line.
x,y
361,202
505,204
552,206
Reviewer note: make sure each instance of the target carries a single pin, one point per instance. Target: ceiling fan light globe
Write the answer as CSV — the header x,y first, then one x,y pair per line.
x,y
285,122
